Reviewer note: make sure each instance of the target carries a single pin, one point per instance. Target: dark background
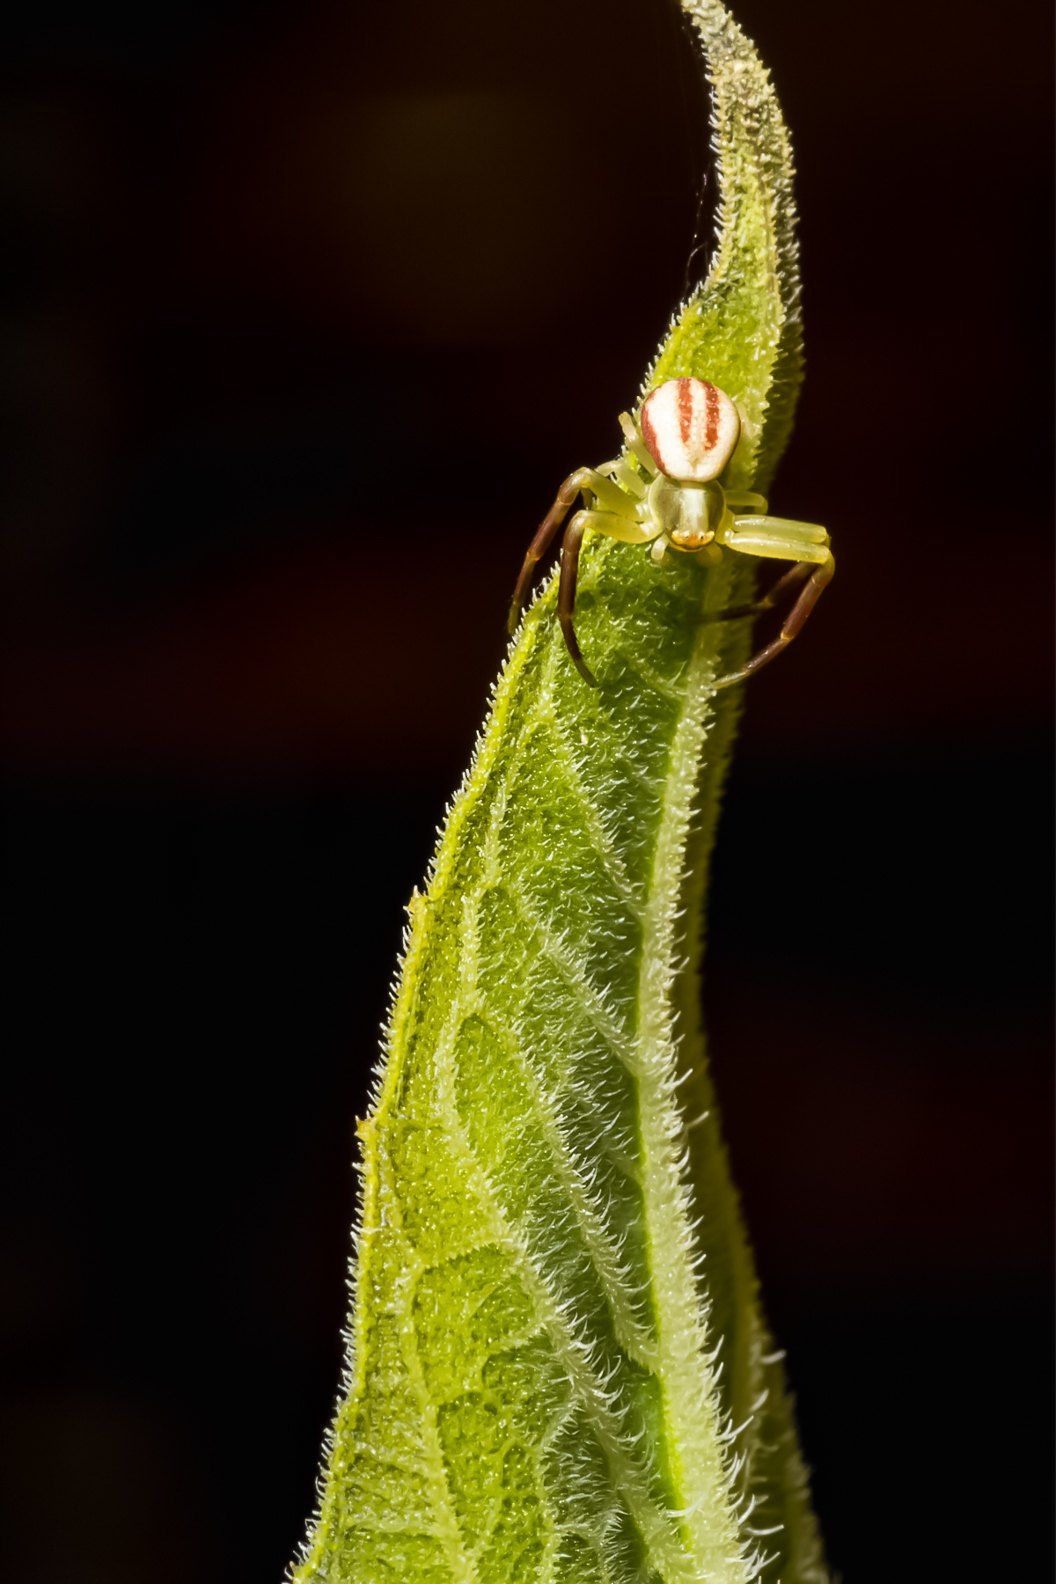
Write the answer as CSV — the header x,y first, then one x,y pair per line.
x,y
311,307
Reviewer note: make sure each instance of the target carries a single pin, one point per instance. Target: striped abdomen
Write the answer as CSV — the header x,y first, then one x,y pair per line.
x,y
690,428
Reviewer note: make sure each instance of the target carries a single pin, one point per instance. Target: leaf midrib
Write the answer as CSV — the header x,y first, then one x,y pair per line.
x,y
681,1366
685,1373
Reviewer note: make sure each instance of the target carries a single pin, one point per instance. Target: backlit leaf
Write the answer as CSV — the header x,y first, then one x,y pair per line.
x,y
558,1370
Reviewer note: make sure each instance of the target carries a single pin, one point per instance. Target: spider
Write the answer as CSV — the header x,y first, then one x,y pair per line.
x,y
665,492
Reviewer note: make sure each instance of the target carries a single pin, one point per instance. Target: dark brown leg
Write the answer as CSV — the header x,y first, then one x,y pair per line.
x,y
793,625
566,594
767,601
544,538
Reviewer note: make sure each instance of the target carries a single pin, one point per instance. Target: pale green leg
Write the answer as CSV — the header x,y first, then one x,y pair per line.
x,y
746,500
627,477
732,524
617,526
608,495
636,445
613,501
780,539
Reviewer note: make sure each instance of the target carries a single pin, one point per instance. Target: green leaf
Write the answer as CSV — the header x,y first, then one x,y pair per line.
x,y
558,1369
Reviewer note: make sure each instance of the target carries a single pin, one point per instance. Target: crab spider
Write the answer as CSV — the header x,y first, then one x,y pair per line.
x,y
665,492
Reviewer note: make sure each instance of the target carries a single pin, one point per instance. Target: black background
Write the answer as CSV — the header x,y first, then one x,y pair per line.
x,y
312,306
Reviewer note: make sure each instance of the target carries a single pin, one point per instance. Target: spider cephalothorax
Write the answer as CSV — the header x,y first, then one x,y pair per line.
x,y
666,491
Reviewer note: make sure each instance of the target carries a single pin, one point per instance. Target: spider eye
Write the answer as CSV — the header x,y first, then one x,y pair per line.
x,y
691,428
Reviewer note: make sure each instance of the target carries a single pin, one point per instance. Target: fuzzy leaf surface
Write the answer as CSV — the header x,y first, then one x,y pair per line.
x,y
558,1370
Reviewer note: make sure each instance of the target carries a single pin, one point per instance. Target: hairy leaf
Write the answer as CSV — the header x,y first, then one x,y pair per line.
x,y
558,1370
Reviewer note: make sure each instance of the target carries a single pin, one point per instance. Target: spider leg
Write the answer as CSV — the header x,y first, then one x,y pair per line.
x,y
636,446
624,529
627,477
609,495
793,625
807,545
541,542
566,594
767,601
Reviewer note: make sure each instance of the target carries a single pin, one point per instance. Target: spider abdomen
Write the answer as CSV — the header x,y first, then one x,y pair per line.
x,y
690,428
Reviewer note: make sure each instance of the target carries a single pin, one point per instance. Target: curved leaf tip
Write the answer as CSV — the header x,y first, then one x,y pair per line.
x,y
558,1370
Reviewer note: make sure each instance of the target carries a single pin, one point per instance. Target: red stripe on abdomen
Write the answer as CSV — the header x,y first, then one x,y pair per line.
x,y
711,426
649,433
685,409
